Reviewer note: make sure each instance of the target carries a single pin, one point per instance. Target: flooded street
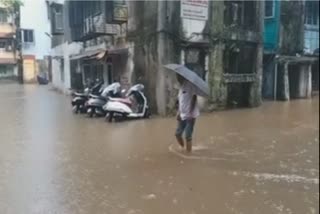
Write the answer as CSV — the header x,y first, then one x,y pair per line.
x,y
263,160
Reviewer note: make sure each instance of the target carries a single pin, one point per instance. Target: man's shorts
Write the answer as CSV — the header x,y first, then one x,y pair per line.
x,y
186,127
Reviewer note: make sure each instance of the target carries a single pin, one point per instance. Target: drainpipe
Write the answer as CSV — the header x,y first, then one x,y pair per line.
x,y
160,84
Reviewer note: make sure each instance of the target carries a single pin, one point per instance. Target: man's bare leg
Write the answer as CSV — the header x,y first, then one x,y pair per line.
x,y
189,146
180,140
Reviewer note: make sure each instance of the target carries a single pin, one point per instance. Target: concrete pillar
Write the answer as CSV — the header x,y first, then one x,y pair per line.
x,y
309,83
160,88
256,88
286,82
218,90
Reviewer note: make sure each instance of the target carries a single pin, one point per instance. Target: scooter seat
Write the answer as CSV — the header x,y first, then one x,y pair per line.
x,y
126,101
77,94
96,96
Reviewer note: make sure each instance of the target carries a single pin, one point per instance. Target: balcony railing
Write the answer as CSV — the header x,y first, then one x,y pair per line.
x,y
7,30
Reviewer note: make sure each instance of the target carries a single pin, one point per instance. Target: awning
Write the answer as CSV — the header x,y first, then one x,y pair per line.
x,y
97,54
120,51
100,54
296,59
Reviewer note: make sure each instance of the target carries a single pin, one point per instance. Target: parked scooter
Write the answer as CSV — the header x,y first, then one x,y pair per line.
x,y
95,104
134,106
79,99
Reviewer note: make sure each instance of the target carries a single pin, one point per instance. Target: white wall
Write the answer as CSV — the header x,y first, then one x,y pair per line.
x,y
64,50
193,26
34,16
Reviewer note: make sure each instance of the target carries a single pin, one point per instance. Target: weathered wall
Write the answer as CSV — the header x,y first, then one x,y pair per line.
x,y
299,80
315,76
256,88
292,27
268,76
218,90
64,51
142,33
157,31
224,38
148,55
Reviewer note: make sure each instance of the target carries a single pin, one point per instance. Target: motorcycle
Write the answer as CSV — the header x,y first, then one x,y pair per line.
x,y
79,99
95,104
134,106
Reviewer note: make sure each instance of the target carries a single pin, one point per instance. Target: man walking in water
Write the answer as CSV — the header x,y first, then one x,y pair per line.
x,y
187,113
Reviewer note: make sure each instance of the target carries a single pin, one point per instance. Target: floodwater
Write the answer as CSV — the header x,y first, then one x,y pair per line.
x,y
263,160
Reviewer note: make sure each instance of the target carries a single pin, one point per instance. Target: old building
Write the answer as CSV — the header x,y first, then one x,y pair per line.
x,y
100,26
8,53
291,39
24,41
62,48
35,41
88,42
222,42
130,41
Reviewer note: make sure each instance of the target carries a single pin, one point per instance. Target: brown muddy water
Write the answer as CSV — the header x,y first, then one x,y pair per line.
x,y
262,160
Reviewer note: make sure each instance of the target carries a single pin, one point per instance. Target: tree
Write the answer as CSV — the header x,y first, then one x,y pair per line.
x,y
11,6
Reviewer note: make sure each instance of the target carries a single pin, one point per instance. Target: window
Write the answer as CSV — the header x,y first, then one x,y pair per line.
x,y
6,71
240,13
3,16
312,13
28,36
3,44
269,8
58,20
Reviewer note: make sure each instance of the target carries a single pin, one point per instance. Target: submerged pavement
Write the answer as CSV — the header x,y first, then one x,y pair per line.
x,y
262,160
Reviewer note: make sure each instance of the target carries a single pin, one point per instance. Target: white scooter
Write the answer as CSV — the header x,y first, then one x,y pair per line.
x,y
134,106
95,104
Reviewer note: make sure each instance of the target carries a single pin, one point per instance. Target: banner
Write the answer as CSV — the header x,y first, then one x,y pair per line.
x,y
195,9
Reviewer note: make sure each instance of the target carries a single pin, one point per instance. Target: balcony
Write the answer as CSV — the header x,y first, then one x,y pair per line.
x,y
7,57
91,19
7,30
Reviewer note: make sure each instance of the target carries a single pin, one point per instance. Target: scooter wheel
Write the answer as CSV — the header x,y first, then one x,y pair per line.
x,y
147,114
75,109
91,112
110,117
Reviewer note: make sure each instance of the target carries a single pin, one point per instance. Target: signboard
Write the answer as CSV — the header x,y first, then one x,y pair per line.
x,y
120,13
195,9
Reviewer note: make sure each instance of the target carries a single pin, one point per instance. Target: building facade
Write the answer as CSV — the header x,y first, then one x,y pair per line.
x,y
61,45
8,53
291,41
91,45
213,45
35,39
130,41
